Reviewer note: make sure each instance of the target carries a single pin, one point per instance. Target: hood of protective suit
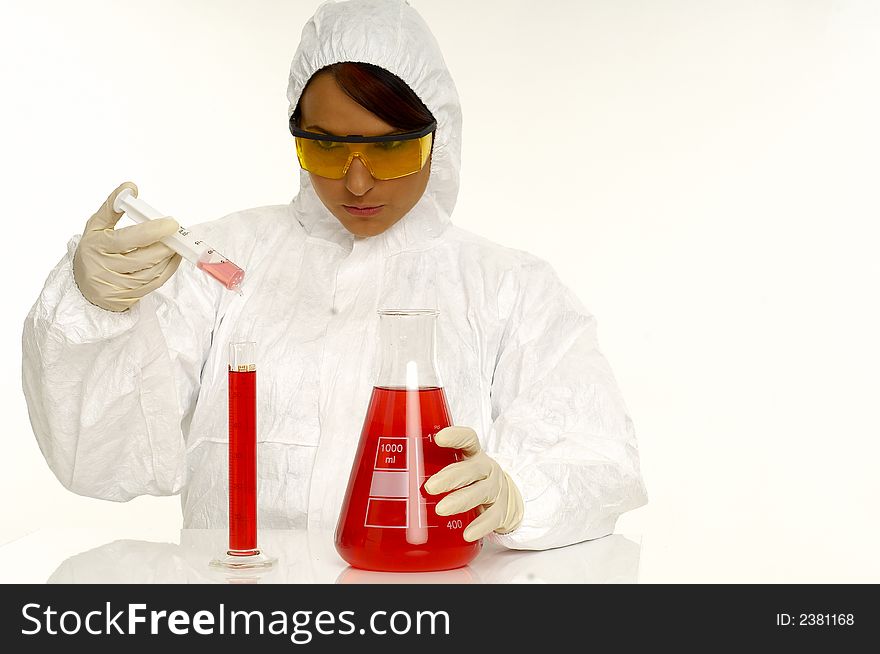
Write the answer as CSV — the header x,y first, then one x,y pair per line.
x,y
390,34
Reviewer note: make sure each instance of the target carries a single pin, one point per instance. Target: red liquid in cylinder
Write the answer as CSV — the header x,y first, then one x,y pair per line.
x,y
388,521
242,463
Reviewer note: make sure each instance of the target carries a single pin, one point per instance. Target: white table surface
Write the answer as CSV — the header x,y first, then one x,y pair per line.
x,y
107,555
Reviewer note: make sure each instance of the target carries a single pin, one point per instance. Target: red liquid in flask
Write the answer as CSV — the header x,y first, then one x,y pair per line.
x,y
225,272
388,521
242,463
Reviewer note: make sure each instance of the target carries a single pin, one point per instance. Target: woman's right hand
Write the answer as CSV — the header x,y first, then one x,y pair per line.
x,y
114,268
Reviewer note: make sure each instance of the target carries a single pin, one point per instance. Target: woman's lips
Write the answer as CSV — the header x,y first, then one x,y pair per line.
x,y
367,211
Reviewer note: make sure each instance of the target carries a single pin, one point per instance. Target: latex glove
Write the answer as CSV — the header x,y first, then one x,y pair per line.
x,y
480,482
114,268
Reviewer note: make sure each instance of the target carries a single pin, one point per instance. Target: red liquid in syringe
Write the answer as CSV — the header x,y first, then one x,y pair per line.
x,y
224,271
242,463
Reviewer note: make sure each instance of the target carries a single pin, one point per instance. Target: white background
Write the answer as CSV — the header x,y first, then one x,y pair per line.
x,y
702,174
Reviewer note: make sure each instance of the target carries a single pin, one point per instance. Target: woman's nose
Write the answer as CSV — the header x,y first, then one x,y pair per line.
x,y
358,179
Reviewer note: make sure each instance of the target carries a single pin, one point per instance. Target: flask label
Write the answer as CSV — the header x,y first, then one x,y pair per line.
x,y
391,453
388,503
386,512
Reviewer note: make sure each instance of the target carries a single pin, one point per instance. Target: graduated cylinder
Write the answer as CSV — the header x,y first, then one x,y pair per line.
x,y
242,449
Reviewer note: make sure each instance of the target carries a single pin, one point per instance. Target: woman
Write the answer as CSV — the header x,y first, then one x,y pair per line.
x,y
125,353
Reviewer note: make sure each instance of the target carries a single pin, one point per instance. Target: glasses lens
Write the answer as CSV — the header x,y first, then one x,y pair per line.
x,y
385,159
324,158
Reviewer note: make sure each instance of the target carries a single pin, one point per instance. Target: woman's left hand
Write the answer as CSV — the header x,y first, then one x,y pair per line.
x,y
478,481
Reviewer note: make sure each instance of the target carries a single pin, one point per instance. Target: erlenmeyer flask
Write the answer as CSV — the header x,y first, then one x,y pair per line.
x,y
388,521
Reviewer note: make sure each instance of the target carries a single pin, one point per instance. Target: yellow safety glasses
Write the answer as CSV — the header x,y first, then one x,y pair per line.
x,y
386,157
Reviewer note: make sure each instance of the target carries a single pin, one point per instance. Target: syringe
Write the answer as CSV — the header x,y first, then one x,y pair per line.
x,y
184,242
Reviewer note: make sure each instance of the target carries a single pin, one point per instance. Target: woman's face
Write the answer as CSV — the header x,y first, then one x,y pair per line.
x,y
325,107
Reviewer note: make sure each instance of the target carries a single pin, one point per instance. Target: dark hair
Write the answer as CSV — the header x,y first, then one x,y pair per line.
x,y
378,91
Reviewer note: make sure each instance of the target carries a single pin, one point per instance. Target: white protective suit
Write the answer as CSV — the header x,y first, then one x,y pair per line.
x,y
133,403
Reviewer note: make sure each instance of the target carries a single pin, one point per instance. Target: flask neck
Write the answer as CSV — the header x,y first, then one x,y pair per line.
x,y
407,350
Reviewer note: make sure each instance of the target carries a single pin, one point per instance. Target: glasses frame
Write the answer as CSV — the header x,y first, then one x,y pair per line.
x,y
360,138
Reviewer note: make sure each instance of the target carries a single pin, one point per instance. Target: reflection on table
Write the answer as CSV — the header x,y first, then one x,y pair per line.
x,y
309,557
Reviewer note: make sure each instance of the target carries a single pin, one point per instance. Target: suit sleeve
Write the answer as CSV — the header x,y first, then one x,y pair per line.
x,y
560,426
110,395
